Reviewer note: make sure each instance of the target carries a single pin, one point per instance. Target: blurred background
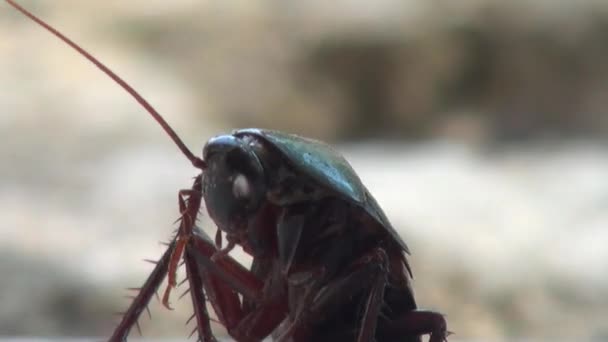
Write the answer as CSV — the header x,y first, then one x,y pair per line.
x,y
480,126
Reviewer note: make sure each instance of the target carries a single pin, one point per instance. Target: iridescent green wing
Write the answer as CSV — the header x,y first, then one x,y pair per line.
x,y
329,168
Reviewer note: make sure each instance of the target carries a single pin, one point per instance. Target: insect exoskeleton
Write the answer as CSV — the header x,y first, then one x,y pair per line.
x,y
327,263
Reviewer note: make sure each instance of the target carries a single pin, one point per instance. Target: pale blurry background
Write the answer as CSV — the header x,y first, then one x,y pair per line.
x,y
480,126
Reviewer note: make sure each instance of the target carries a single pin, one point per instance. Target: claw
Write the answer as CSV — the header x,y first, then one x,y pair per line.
x,y
173,265
223,252
166,296
218,239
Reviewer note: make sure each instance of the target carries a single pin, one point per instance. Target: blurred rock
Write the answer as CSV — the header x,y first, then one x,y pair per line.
x,y
44,299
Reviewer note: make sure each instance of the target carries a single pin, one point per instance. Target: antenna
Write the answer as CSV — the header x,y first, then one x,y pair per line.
x,y
196,161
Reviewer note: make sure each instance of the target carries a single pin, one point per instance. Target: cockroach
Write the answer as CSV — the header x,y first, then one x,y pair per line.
x,y
327,263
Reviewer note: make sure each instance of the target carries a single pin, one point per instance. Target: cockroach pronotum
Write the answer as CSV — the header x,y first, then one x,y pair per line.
x,y
327,263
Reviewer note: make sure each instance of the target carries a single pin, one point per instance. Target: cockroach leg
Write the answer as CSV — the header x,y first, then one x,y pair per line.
x,y
373,304
141,301
196,278
227,268
420,322
368,273
224,251
172,271
218,239
189,210
225,279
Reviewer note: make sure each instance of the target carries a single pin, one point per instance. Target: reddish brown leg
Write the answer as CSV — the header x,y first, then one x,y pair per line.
x,y
188,209
225,279
196,277
140,302
226,268
196,281
368,274
420,323
413,323
373,305
167,264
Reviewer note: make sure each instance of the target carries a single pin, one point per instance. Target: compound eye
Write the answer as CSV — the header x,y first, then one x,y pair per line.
x,y
241,187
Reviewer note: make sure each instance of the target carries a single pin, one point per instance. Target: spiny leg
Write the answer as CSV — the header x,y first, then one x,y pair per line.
x,y
166,265
140,302
225,303
196,280
226,269
368,273
226,279
189,205
170,259
188,212
374,301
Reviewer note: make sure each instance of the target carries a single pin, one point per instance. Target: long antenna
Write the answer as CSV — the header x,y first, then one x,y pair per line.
x,y
196,161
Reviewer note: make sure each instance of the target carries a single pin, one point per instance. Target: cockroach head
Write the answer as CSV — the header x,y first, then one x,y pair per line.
x,y
234,184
